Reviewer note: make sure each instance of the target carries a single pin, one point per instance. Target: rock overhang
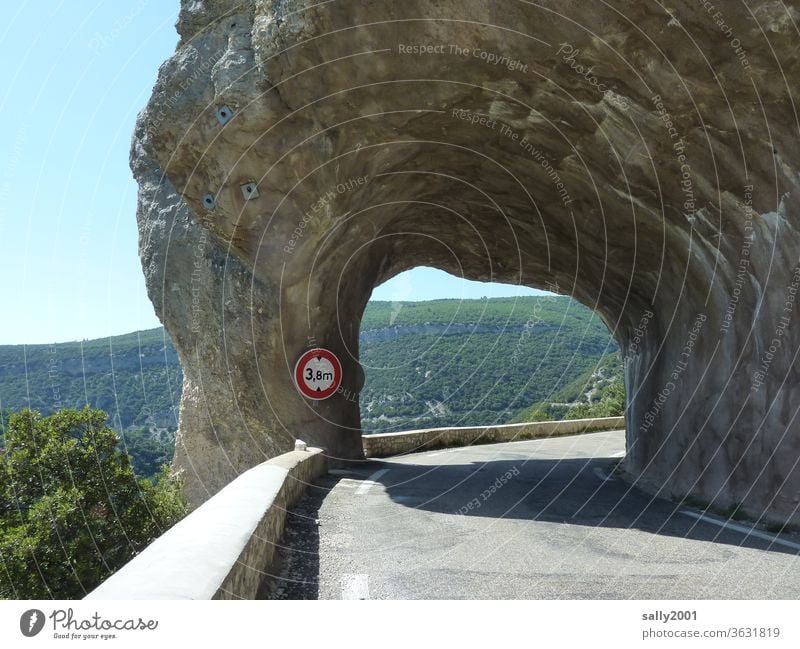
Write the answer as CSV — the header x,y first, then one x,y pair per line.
x,y
627,155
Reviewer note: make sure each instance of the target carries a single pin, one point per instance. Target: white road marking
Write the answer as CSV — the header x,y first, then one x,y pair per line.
x,y
744,529
355,587
370,482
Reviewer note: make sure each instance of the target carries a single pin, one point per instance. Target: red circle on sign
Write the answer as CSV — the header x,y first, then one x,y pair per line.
x,y
318,374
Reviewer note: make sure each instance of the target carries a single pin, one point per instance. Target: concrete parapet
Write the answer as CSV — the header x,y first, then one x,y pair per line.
x,y
224,548
389,444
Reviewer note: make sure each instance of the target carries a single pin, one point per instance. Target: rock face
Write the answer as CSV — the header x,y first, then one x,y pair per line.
x,y
644,162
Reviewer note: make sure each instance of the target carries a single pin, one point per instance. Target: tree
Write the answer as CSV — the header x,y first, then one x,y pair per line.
x,y
613,401
148,453
71,510
539,414
611,404
3,419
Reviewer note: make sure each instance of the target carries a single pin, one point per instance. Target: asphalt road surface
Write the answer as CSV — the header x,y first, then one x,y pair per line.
x,y
523,520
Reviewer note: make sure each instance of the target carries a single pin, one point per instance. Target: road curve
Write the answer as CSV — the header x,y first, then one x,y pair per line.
x,y
524,520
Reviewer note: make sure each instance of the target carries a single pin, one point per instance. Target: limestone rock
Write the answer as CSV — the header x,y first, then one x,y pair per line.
x,y
640,159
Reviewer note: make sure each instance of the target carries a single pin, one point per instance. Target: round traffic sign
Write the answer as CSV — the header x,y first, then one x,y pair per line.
x,y
318,374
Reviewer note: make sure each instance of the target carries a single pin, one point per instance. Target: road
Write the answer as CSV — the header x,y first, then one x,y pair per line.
x,y
524,520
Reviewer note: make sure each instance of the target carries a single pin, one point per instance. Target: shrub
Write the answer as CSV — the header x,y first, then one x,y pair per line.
x,y
71,510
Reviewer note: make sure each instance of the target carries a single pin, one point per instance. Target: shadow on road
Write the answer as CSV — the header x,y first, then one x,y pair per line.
x,y
564,491
295,570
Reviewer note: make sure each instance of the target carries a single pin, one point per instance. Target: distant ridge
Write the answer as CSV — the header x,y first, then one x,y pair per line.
x,y
438,362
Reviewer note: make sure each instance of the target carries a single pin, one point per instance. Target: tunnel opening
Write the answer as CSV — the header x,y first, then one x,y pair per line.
x,y
440,351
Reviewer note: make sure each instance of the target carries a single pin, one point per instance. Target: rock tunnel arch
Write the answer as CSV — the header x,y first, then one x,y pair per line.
x,y
440,351
637,160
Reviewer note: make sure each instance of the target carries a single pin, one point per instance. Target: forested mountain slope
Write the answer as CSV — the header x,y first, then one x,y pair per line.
x,y
436,363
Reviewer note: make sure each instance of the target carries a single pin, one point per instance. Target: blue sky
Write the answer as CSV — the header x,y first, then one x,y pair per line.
x,y
75,76
432,284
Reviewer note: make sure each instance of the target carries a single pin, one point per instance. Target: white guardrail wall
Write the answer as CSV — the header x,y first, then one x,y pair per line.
x,y
225,547
389,444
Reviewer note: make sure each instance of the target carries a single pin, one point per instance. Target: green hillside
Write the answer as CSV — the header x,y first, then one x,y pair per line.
x,y
437,363
135,378
475,362
598,392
